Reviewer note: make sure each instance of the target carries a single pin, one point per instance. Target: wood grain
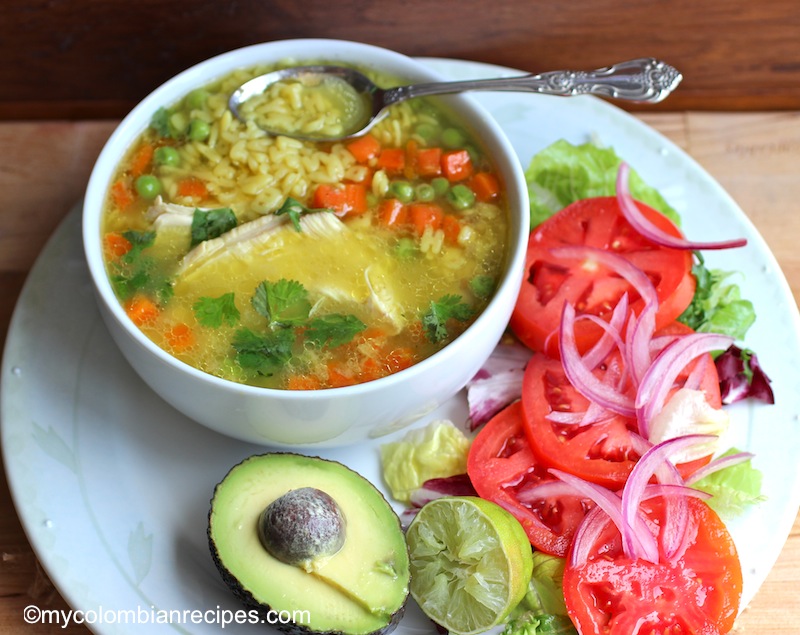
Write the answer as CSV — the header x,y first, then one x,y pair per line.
x,y
97,58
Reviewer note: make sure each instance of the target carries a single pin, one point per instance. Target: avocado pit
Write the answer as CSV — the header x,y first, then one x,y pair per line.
x,y
302,526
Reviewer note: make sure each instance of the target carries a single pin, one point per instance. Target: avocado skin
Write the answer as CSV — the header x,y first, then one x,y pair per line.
x,y
263,609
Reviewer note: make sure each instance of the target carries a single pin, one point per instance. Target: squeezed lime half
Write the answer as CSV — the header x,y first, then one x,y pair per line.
x,y
470,563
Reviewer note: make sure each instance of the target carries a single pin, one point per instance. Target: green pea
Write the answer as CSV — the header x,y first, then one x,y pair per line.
x,y
196,99
167,155
148,186
199,130
406,248
461,197
424,192
453,138
427,131
402,191
440,185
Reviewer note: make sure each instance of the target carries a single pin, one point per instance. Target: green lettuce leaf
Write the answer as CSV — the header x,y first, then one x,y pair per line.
x,y
545,593
563,173
436,451
533,624
733,488
717,306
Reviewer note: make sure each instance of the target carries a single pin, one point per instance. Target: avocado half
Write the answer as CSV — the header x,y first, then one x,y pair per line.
x,y
361,589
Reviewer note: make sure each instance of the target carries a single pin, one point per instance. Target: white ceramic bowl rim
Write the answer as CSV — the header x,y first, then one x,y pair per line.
x,y
207,71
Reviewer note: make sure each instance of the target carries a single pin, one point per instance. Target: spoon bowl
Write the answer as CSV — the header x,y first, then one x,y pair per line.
x,y
643,80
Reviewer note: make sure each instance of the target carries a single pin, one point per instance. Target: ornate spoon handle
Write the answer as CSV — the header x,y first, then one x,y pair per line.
x,y
641,80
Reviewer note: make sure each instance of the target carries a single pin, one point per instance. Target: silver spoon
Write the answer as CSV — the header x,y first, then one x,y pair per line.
x,y
644,80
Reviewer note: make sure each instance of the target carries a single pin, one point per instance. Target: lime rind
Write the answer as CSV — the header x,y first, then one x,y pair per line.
x,y
470,561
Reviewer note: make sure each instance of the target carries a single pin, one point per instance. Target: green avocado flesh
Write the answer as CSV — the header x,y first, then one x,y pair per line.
x,y
361,589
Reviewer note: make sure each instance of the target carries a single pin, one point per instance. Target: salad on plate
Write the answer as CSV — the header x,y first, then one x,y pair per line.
x,y
599,422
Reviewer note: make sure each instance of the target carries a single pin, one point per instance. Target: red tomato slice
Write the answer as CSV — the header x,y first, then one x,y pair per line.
x,y
595,222
698,594
601,452
501,465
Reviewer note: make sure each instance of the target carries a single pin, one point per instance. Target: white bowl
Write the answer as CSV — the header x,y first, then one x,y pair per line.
x,y
321,418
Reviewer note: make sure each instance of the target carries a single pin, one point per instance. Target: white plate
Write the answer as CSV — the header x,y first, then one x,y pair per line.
x,y
112,485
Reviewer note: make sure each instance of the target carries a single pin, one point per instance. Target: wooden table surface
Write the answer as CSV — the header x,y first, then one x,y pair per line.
x,y
44,167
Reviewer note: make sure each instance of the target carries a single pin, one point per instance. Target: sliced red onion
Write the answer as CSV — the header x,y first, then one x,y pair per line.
x,y
581,376
619,264
695,378
549,489
498,383
659,343
640,542
666,367
662,490
507,355
639,335
612,334
656,460
587,535
720,463
653,233
458,485
637,342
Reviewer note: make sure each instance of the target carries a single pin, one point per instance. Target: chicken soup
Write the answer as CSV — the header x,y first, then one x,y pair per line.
x,y
299,265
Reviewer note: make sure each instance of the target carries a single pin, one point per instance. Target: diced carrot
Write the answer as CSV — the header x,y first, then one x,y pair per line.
x,y
424,215
399,358
192,187
343,198
116,245
392,213
141,310
393,160
486,186
370,370
429,161
451,228
122,194
141,159
410,167
303,382
338,376
456,165
365,148
180,337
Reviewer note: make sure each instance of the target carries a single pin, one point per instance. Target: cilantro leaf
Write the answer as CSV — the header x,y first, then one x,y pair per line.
x,y
482,286
295,209
283,303
211,223
263,354
136,271
213,312
333,329
139,242
160,122
448,307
